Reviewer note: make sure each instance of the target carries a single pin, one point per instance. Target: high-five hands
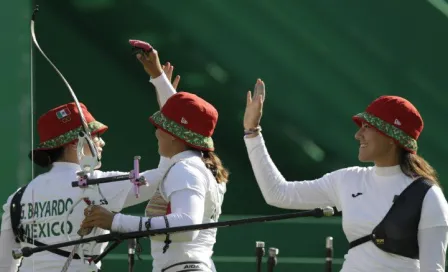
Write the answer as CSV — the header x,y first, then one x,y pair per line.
x,y
168,69
254,106
148,57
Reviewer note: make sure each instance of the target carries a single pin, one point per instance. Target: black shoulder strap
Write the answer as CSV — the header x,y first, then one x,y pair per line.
x,y
57,251
16,214
15,211
420,185
361,241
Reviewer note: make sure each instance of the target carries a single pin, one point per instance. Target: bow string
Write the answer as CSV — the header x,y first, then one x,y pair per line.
x,y
88,164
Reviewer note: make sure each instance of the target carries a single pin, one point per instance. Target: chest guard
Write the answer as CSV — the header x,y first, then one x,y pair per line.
x,y
397,232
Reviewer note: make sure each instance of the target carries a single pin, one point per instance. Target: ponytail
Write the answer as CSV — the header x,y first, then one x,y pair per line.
x,y
413,165
44,158
214,164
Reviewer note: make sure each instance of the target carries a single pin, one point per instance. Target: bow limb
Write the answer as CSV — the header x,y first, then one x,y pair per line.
x,y
89,162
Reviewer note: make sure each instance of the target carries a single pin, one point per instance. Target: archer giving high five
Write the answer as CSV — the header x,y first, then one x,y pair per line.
x,y
193,190
393,213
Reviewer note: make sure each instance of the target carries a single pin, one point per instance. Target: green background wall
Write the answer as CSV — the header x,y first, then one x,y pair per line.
x,y
322,61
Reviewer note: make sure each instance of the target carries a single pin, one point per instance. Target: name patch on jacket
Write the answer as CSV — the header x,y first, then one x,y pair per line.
x,y
44,210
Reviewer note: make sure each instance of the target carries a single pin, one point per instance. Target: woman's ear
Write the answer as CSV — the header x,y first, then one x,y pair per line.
x,y
73,146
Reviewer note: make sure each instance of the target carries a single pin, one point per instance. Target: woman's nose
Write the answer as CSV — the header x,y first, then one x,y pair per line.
x,y
358,134
101,143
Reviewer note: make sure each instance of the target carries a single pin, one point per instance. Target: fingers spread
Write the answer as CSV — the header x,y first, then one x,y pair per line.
x,y
176,82
168,70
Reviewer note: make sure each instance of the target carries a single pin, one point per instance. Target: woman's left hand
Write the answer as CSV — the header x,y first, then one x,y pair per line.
x,y
168,70
254,106
97,216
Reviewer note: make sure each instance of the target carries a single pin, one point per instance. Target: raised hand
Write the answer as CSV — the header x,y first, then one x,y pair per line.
x,y
260,89
254,106
168,69
148,57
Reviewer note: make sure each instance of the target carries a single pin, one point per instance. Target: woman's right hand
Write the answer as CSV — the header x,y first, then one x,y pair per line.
x,y
151,63
254,106
97,216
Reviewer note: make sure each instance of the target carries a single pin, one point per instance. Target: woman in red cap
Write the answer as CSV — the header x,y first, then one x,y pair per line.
x,y
47,199
193,190
393,213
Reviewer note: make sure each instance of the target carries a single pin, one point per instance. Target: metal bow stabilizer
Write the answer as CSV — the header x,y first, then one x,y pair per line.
x,y
319,212
84,182
87,162
133,176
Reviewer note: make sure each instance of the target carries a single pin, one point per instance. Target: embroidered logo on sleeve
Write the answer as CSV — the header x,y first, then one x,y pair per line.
x,y
356,195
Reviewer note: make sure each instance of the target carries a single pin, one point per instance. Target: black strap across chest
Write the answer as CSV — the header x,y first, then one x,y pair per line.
x,y
19,232
397,232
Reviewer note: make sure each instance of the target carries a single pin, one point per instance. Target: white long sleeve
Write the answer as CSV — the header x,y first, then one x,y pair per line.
x,y
187,209
289,195
185,188
164,88
7,243
432,248
433,231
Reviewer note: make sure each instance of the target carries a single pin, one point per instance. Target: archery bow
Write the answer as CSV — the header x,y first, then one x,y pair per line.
x,y
87,162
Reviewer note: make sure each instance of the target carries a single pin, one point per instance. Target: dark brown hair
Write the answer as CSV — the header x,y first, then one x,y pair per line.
x,y
44,158
413,166
214,164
